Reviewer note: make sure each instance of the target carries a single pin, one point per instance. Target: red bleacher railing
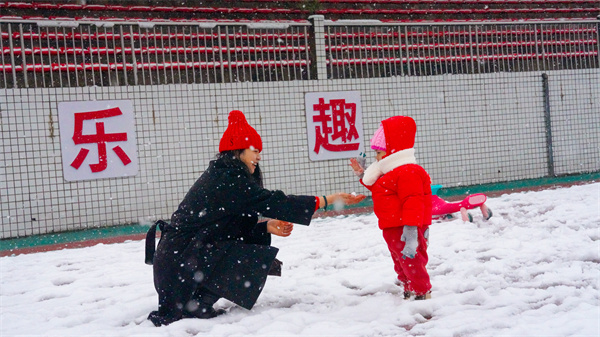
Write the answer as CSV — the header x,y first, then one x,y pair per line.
x,y
490,32
464,11
459,58
149,66
275,36
149,50
448,46
135,20
159,36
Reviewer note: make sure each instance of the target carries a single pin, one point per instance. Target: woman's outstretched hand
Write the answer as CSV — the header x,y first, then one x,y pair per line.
x,y
345,198
280,228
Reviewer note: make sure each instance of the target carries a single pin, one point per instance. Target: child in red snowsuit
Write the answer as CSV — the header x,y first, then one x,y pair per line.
x,y
401,192
440,208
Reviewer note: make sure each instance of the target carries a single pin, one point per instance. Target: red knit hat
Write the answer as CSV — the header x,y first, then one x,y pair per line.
x,y
239,134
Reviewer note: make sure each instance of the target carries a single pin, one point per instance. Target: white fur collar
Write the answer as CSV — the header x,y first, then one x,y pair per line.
x,y
372,173
387,164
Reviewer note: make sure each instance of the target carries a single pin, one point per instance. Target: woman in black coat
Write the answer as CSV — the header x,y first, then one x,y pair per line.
x,y
214,245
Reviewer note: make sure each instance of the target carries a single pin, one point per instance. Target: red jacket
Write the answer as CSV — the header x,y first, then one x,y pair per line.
x,y
401,189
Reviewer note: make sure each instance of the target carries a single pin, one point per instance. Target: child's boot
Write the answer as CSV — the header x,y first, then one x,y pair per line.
x,y
422,297
406,293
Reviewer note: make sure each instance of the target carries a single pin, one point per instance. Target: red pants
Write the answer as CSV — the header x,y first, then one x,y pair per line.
x,y
411,272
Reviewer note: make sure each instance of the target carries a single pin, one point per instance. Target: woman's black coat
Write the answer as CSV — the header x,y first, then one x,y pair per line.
x,y
214,240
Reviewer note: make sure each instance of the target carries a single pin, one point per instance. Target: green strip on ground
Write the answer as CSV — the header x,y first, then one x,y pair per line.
x,y
136,229
518,185
73,236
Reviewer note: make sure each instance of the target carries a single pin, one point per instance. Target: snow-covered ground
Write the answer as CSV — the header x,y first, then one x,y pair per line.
x,y
531,270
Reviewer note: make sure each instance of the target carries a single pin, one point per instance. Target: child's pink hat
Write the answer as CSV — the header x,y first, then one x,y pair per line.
x,y
378,140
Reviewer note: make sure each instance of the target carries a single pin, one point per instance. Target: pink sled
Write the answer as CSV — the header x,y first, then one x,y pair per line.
x,y
442,209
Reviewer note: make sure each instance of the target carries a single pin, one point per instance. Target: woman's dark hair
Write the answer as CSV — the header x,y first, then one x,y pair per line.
x,y
233,158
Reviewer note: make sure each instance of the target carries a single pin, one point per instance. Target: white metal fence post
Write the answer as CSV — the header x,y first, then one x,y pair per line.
x,y
317,45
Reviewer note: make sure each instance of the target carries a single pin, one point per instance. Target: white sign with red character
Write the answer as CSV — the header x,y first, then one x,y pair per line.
x,y
334,125
97,139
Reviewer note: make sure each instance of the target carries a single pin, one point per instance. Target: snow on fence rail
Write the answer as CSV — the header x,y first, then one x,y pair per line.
x,y
441,2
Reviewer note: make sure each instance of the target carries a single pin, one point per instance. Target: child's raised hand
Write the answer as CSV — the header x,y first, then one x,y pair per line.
x,y
358,169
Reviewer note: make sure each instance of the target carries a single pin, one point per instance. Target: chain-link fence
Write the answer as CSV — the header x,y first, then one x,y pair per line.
x,y
493,102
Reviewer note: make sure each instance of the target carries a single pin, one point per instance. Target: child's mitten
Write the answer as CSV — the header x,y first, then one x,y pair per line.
x,y
410,238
